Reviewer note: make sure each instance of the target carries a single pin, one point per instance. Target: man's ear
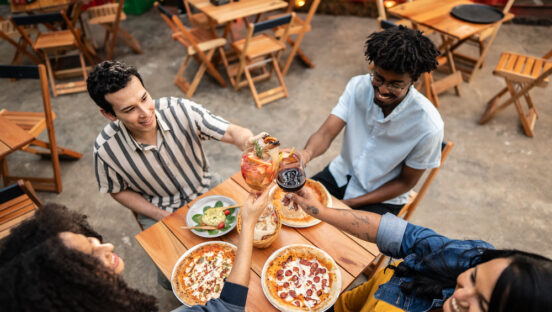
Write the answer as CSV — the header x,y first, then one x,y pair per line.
x,y
107,115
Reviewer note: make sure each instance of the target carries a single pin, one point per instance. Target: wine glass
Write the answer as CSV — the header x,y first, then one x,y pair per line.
x,y
291,173
258,168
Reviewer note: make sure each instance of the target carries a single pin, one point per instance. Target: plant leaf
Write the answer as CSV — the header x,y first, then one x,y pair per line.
x,y
197,218
212,232
230,219
219,204
205,208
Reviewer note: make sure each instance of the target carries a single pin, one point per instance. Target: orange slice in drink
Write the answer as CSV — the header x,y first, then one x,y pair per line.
x,y
258,161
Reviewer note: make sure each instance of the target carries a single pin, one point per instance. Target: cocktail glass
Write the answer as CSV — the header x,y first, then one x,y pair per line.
x,y
258,172
291,172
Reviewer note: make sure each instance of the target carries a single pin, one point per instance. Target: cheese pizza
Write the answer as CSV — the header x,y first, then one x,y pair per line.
x,y
199,274
301,278
292,215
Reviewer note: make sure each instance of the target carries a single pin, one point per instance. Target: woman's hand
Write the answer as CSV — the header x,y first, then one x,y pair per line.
x,y
254,206
307,201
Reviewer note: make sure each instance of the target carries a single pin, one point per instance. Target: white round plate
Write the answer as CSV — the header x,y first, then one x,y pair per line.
x,y
185,255
197,208
277,252
314,221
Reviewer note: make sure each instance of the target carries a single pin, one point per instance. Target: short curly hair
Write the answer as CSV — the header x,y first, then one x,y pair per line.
x,y
402,50
40,273
109,77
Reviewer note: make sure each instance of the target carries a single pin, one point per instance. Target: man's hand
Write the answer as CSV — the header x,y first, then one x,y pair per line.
x,y
307,201
305,154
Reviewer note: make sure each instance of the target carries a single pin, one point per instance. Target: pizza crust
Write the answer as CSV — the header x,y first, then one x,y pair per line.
x,y
297,217
293,254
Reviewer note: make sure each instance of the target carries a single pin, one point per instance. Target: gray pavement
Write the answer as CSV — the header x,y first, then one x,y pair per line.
x,y
495,185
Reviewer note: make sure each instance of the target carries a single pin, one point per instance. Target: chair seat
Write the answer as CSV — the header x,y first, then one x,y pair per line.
x,y
32,122
106,13
15,211
259,46
522,68
201,20
56,39
204,38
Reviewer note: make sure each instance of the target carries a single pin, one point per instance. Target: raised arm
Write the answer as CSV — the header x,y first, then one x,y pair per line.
x,y
320,141
362,224
239,136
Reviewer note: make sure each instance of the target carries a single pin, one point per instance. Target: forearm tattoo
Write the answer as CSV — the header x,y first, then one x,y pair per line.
x,y
312,210
359,226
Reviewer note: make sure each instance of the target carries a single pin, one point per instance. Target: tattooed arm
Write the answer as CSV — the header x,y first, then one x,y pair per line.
x,y
362,224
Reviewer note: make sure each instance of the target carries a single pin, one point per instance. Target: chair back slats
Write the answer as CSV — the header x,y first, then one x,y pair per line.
x,y
18,202
19,71
272,23
37,19
163,10
385,24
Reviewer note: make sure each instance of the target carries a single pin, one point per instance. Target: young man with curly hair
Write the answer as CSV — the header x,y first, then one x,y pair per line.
x,y
392,132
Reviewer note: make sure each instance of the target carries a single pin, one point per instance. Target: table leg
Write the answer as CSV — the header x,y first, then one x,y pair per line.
x,y
447,42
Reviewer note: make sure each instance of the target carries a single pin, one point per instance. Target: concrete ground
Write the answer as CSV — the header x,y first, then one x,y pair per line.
x,y
495,185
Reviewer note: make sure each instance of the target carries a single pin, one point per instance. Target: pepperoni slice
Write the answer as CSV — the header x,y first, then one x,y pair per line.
x,y
296,269
280,277
288,273
319,293
286,285
309,292
280,272
314,265
316,279
283,295
297,303
322,270
294,278
324,282
292,293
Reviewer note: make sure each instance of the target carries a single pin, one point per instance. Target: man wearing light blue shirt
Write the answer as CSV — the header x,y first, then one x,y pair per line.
x,y
392,132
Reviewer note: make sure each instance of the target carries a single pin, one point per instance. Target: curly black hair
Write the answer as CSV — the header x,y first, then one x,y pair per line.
x,y
109,77
43,274
402,50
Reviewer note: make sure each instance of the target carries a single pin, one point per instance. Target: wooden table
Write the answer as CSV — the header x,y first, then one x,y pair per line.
x,y
165,242
12,138
44,5
236,9
435,14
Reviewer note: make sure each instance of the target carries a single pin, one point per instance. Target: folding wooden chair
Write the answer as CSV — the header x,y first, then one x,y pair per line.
x,y
197,19
57,42
297,27
255,53
109,16
200,44
34,123
483,40
9,33
414,199
18,202
521,73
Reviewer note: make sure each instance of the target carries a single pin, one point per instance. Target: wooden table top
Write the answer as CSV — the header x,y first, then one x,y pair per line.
x,y
435,14
12,137
38,5
236,9
165,242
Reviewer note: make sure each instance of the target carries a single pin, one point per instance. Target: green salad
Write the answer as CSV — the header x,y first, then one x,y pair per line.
x,y
222,219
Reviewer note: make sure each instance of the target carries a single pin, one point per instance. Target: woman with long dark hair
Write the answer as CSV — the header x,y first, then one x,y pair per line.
x,y
437,273
57,262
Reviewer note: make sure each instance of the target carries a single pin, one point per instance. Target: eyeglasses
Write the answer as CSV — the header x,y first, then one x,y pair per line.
x,y
394,87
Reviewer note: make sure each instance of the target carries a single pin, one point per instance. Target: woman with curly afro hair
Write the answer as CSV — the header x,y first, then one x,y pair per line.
x,y
57,262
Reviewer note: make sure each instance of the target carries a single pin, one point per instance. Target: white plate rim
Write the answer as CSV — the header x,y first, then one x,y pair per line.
x,y
185,254
275,253
201,203
314,221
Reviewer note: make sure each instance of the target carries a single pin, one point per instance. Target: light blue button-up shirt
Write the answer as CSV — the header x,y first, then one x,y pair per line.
x,y
375,147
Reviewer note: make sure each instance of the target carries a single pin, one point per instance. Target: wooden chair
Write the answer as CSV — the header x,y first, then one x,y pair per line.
x,y
483,40
34,123
257,52
196,19
109,16
18,202
201,44
298,27
414,199
9,33
57,42
521,73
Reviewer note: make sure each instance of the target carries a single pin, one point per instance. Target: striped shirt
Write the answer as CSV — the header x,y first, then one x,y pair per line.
x,y
170,174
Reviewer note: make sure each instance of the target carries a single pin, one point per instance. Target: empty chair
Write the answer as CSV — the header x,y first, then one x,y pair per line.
x,y
9,33
109,16
201,44
521,73
55,43
18,202
35,123
256,53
